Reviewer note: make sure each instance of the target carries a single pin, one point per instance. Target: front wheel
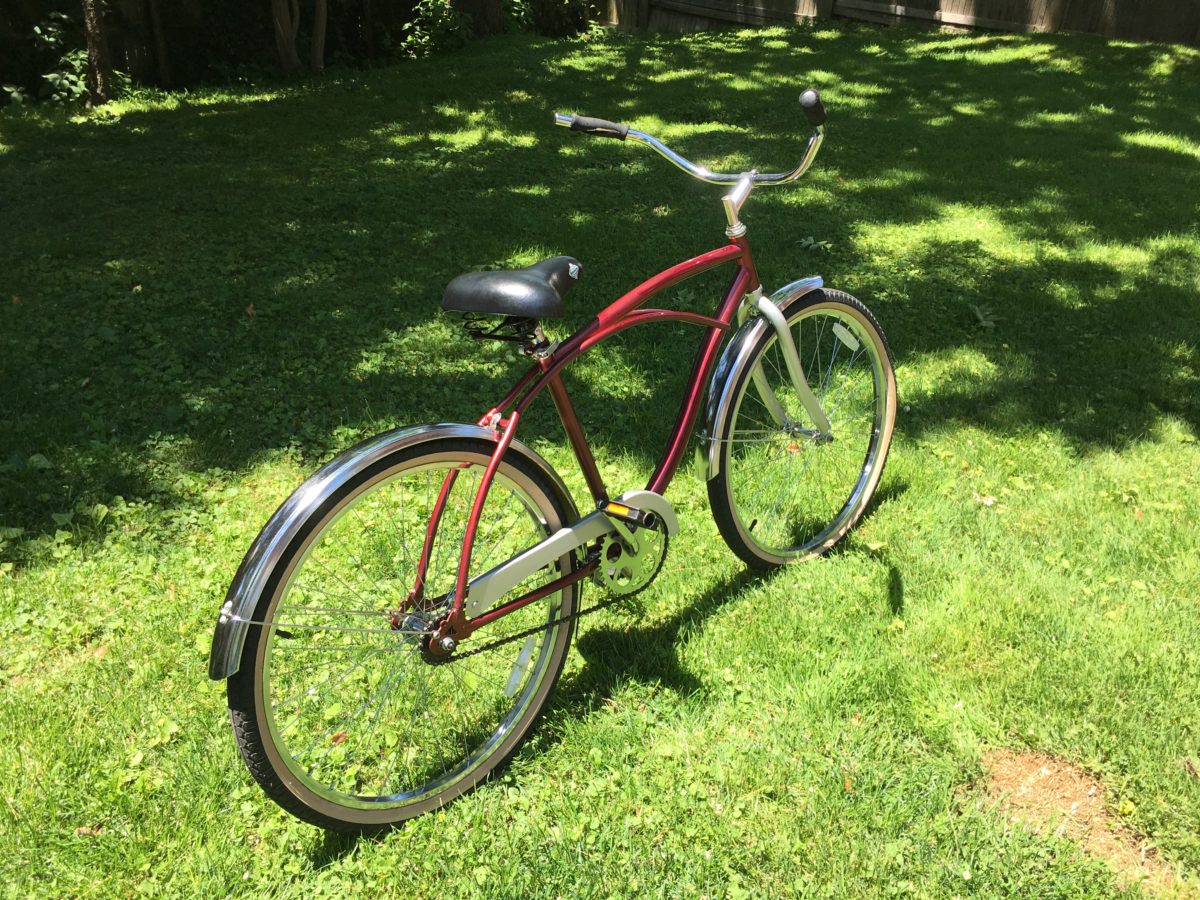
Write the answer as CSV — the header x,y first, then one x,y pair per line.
x,y
340,712
785,490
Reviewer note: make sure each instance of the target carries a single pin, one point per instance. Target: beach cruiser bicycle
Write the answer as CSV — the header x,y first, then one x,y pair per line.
x,y
393,633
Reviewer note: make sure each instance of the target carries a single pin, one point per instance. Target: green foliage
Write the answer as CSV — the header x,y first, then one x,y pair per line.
x,y
14,93
436,26
231,42
518,16
67,82
268,294
62,67
46,64
50,35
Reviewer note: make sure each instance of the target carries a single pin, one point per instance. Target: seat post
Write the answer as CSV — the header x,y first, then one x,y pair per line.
x,y
537,345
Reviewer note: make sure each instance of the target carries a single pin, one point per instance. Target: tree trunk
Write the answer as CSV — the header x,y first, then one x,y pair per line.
x,y
98,67
487,16
317,51
285,16
368,25
161,53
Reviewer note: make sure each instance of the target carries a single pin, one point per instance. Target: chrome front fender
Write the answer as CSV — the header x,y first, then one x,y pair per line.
x,y
280,530
736,356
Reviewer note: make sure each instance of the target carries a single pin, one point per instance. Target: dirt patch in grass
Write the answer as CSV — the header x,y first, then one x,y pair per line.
x,y
1052,796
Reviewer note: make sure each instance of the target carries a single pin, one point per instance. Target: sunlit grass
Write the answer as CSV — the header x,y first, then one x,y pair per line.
x,y
215,291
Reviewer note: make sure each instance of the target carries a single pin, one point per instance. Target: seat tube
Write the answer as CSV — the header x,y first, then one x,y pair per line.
x,y
456,618
574,430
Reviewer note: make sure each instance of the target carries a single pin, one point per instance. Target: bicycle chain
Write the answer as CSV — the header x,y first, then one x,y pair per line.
x,y
500,642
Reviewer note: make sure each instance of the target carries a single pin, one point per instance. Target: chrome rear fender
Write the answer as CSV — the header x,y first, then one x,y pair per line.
x,y
283,527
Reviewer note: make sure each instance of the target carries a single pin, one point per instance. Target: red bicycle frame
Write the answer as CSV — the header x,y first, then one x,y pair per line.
x,y
546,373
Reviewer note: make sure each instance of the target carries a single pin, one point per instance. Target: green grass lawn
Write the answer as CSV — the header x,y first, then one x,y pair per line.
x,y
206,295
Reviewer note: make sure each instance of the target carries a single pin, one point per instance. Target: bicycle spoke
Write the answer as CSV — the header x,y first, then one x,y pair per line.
x,y
358,709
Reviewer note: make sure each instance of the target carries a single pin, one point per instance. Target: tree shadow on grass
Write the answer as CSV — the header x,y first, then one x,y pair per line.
x,y
203,286
1082,347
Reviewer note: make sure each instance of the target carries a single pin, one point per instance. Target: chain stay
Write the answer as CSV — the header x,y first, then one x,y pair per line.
x,y
508,639
603,604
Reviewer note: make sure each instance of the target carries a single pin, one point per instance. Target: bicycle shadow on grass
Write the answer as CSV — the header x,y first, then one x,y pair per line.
x,y
334,846
887,492
613,653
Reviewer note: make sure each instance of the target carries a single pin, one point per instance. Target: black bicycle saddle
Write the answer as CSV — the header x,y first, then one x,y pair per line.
x,y
535,292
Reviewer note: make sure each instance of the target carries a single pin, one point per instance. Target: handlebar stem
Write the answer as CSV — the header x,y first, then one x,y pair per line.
x,y
733,204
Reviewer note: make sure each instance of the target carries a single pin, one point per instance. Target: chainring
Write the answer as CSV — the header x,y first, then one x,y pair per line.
x,y
622,572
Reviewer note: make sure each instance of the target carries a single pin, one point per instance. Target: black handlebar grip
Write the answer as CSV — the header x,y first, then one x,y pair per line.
x,y
814,110
599,127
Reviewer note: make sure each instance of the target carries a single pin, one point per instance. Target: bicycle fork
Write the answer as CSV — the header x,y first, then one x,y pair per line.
x,y
769,311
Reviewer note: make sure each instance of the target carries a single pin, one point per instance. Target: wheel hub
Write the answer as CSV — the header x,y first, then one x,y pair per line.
x,y
799,431
412,627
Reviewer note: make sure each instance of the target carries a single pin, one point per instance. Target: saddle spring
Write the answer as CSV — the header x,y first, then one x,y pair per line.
x,y
484,327
515,329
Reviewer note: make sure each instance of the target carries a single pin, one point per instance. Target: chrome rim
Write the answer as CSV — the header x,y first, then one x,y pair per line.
x,y
793,491
357,715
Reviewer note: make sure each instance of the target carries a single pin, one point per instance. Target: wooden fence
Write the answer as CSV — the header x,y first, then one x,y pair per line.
x,y
1175,21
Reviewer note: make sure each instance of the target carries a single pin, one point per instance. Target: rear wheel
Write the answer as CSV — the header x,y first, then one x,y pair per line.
x,y
340,713
784,491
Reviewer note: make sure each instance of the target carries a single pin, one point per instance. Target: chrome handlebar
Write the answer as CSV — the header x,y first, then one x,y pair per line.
x,y
810,153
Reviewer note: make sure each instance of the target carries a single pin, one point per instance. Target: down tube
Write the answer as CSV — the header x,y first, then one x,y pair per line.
x,y
706,357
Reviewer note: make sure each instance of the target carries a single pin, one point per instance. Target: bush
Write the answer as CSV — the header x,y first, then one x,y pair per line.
x,y
435,26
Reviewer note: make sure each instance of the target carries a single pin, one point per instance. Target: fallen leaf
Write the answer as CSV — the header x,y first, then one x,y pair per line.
x,y
1138,514
340,737
100,652
848,785
89,831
